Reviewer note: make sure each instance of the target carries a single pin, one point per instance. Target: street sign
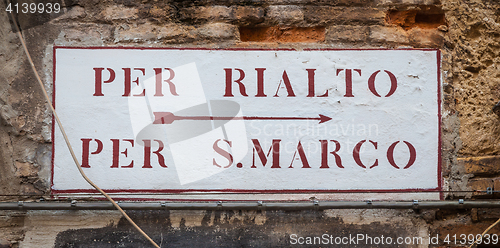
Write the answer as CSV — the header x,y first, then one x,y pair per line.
x,y
239,121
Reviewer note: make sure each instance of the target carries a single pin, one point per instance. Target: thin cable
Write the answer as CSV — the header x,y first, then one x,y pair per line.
x,y
485,232
67,140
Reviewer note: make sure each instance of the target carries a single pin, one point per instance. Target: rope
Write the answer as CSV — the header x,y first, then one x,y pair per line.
x,y
485,232
47,98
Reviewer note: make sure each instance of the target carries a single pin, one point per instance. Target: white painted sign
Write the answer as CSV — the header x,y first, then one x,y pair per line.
x,y
248,121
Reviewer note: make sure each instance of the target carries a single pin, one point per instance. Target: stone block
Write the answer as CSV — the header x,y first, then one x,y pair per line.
x,y
362,16
343,15
113,13
347,33
485,165
247,15
170,33
488,214
319,2
158,12
282,34
217,31
354,2
426,38
496,184
25,169
205,13
321,15
389,34
139,33
285,14
480,184
405,2
420,2
175,32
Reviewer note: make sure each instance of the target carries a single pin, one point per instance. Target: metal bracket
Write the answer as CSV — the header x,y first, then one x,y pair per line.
x,y
489,191
316,204
163,204
260,205
415,204
73,203
369,203
219,205
20,203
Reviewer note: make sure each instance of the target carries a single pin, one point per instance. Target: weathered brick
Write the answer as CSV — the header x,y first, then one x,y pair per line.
x,y
321,15
423,2
205,13
473,215
320,2
284,15
480,184
347,33
488,214
387,2
496,184
282,34
426,37
487,165
113,13
175,33
139,33
343,15
389,34
169,33
362,16
158,12
354,2
405,2
217,31
247,15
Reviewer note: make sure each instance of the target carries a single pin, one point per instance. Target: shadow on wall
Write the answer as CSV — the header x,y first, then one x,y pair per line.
x,y
231,229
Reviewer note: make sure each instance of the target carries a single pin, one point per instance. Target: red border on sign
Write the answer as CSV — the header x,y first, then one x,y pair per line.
x,y
241,191
53,116
440,177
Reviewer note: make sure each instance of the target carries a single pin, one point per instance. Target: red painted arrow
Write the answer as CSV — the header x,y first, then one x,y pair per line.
x,y
168,118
